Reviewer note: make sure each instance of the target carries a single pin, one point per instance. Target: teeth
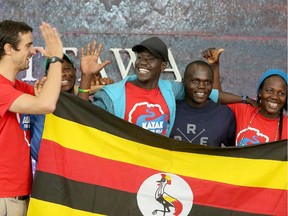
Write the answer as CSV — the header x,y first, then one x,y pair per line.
x,y
142,70
64,82
200,94
273,105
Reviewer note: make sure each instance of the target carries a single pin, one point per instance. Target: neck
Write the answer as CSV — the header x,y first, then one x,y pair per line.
x,y
8,70
264,113
145,85
194,104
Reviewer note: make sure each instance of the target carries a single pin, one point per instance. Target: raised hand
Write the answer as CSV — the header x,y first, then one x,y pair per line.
x,y
53,43
89,60
212,55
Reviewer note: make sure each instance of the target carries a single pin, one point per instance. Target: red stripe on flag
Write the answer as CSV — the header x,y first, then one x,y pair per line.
x,y
91,169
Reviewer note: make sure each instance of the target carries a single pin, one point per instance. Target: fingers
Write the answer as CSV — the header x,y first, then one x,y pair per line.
x,y
39,85
209,53
36,84
42,81
212,55
108,81
106,62
88,49
40,49
221,50
92,51
98,51
52,41
101,81
94,47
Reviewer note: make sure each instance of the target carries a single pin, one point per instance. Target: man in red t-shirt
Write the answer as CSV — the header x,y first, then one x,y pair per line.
x,y
16,100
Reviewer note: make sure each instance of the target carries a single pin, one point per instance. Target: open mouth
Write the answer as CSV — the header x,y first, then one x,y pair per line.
x,y
200,94
272,105
65,82
143,71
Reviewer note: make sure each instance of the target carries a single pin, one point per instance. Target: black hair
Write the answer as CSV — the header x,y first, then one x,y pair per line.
x,y
197,63
9,33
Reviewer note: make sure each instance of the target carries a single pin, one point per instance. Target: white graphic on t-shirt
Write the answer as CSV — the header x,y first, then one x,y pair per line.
x,y
191,128
153,119
250,136
25,124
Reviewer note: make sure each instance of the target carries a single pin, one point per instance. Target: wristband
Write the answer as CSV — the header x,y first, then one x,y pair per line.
x,y
244,99
83,90
54,59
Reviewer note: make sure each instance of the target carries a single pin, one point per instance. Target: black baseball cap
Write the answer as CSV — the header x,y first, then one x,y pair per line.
x,y
155,45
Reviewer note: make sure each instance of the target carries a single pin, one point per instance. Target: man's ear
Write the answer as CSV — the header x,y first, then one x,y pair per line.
x,y
164,65
7,49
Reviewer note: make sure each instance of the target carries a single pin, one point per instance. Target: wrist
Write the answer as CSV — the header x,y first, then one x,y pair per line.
x,y
244,99
54,59
83,90
214,64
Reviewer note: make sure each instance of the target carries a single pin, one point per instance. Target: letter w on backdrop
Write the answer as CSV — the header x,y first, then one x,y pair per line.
x,y
93,163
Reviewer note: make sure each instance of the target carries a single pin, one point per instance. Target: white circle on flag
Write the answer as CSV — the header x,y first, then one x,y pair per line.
x,y
165,192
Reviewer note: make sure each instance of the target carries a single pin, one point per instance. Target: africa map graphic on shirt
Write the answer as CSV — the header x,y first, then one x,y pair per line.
x,y
149,116
249,136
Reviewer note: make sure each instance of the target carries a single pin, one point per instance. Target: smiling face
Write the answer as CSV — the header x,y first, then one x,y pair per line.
x,y
273,95
68,77
148,69
198,83
25,51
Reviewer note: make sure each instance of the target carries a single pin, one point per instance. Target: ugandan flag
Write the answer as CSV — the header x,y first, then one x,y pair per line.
x,y
93,163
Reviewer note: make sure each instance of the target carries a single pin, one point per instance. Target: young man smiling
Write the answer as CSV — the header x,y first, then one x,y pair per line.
x,y
17,98
199,120
143,99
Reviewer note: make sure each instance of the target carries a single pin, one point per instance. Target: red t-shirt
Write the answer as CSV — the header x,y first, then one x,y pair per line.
x,y
146,108
253,128
15,164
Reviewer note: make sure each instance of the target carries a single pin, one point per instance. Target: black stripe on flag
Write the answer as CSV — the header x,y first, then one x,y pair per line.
x,y
77,110
101,200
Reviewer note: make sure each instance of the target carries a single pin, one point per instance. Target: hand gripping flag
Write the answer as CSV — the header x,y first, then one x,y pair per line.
x,y
93,163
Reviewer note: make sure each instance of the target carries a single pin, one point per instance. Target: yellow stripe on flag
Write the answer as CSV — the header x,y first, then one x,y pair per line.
x,y
236,171
48,209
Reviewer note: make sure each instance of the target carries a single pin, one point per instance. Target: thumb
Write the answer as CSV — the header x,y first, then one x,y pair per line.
x,y
221,50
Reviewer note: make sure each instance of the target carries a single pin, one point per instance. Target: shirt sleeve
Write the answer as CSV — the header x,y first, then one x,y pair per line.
x,y
214,95
8,95
25,87
178,90
102,100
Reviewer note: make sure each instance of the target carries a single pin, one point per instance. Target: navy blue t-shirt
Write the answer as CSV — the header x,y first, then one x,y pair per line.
x,y
212,125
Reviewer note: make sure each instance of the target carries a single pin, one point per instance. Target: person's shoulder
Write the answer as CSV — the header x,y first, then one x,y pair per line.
x,y
221,107
20,83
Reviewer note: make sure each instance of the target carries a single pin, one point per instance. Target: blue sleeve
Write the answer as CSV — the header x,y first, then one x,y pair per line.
x,y
36,130
102,100
214,95
178,90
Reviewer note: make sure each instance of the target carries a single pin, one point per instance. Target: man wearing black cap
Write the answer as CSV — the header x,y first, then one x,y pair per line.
x,y
142,99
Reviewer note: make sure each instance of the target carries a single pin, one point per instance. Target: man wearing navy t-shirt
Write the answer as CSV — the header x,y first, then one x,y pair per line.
x,y
198,119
